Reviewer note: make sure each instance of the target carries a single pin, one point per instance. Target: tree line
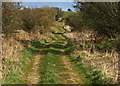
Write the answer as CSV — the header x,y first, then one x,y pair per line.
x,y
102,17
16,17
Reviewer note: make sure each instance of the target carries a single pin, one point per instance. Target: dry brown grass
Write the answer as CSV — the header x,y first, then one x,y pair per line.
x,y
107,62
11,47
23,35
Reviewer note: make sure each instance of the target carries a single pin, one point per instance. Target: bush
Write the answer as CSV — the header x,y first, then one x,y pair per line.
x,y
38,17
59,13
103,17
11,19
75,21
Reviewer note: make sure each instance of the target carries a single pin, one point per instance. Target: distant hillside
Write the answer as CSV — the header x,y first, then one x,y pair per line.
x,y
67,13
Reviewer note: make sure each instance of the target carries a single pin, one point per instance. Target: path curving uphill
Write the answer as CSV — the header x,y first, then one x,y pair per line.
x,y
53,60
56,67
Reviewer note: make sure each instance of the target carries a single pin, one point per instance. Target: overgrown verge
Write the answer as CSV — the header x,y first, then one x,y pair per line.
x,y
16,50
101,55
17,68
91,75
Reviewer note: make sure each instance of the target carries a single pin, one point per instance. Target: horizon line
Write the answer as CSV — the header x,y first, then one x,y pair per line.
x,y
59,0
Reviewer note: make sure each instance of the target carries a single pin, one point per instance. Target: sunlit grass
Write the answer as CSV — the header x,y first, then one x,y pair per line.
x,y
67,13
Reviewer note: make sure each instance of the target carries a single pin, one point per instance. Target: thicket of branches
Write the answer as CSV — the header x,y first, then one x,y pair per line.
x,y
38,17
102,17
28,19
10,17
59,13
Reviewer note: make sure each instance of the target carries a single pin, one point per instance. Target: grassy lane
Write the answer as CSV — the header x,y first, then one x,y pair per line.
x,y
55,66
32,74
50,67
70,75
91,75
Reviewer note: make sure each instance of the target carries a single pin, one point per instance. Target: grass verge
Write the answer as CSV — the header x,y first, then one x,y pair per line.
x,y
17,69
92,75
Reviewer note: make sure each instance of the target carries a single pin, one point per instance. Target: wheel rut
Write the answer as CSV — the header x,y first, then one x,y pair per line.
x,y
54,47
32,74
69,76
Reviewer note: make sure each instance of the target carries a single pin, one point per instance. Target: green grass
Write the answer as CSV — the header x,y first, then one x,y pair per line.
x,y
50,63
15,76
91,75
64,36
50,68
110,44
42,41
57,31
83,54
67,13
65,29
47,40
24,41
